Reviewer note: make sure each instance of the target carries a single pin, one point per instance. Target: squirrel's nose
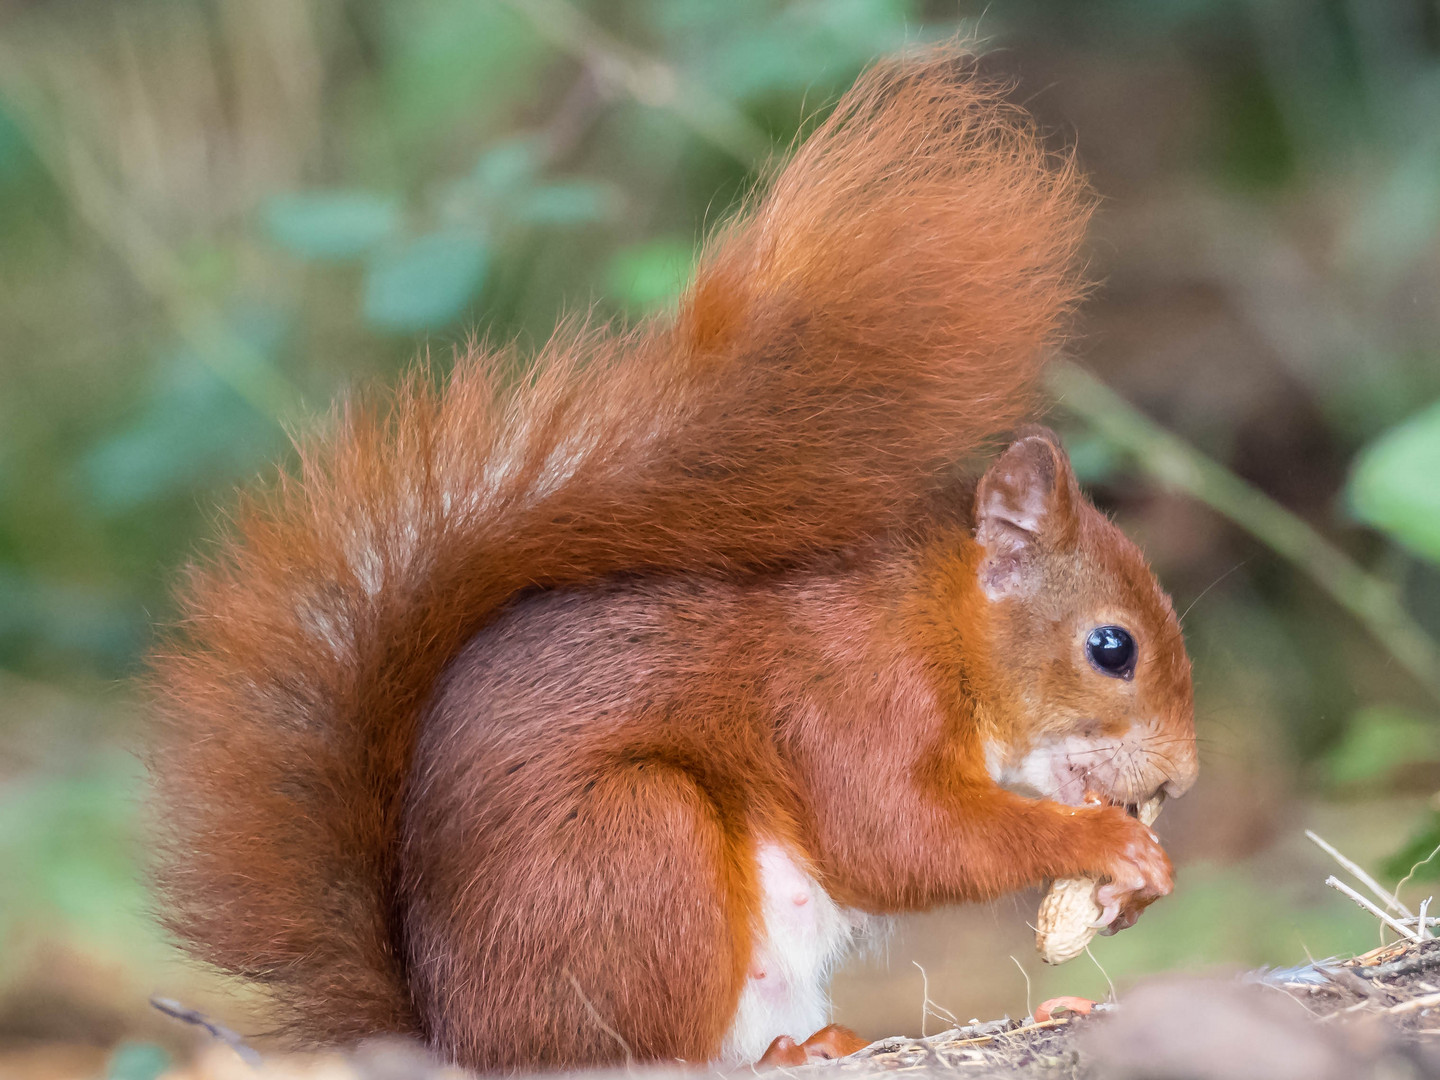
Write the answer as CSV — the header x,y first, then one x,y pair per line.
x,y
1179,763
1187,768
1177,786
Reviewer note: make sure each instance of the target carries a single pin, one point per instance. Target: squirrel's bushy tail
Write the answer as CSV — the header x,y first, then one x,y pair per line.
x,y
875,317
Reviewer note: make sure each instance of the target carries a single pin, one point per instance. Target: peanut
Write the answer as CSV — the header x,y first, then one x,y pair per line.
x,y
1069,910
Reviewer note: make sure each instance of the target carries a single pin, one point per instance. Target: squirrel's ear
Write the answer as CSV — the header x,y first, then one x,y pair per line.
x,y
1027,501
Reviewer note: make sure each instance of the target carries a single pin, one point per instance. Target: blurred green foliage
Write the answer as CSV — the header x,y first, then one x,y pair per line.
x,y
1377,741
1396,483
216,215
331,224
138,1061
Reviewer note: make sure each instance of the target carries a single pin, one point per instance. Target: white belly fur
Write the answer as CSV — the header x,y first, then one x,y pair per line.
x,y
803,937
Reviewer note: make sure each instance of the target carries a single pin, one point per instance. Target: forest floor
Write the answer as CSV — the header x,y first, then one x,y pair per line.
x,y
1372,1017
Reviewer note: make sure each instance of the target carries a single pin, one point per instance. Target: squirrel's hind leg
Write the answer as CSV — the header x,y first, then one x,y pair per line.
x,y
588,919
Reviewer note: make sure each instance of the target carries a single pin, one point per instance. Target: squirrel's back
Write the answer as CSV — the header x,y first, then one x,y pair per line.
x,y
880,314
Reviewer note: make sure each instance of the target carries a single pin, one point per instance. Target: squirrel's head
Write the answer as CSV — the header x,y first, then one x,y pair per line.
x,y
1087,693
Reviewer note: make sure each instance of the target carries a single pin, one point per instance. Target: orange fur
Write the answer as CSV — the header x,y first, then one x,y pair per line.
x,y
734,500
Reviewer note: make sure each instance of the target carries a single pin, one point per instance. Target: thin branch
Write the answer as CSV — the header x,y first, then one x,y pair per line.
x,y
646,79
1389,899
1412,963
190,1016
1181,467
1428,1001
1339,886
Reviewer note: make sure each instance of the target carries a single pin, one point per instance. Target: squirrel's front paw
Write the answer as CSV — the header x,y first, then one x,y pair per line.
x,y
1127,871
1136,875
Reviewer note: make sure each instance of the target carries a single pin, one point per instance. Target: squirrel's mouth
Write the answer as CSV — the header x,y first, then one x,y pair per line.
x,y
1133,809
1088,770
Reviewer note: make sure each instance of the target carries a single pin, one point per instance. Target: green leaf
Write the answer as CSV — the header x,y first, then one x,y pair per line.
x,y
566,203
331,224
650,275
1377,741
426,283
507,165
15,154
1394,484
137,1061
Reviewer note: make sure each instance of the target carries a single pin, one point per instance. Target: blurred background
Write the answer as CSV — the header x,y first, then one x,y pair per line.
x,y
216,214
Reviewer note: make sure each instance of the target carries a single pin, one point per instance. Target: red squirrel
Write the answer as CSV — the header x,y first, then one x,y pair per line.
x,y
585,711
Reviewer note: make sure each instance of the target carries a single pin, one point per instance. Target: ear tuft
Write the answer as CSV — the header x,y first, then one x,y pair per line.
x,y
1027,501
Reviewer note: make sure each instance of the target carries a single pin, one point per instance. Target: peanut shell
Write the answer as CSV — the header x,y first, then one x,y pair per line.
x,y
1069,910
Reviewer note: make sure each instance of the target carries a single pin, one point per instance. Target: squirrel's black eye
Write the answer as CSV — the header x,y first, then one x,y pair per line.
x,y
1112,650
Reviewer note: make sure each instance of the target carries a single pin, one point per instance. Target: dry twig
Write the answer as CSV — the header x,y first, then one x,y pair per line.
x,y
1400,928
190,1016
1386,897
